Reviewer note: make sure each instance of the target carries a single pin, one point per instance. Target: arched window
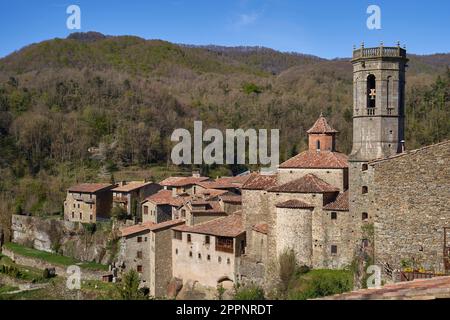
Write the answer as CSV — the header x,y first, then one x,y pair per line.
x,y
371,91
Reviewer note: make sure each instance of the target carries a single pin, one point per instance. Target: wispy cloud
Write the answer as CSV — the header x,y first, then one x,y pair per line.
x,y
246,19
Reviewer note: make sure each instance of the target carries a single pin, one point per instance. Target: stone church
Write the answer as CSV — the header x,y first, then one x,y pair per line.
x,y
319,202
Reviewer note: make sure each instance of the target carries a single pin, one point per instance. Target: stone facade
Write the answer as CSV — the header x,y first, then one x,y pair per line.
x,y
203,262
147,248
86,206
411,206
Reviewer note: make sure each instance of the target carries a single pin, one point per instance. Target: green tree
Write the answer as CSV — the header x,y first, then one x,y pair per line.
x,y
128,288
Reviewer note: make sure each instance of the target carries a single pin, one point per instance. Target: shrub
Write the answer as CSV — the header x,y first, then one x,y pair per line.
x,y
249,292
287,267
320,283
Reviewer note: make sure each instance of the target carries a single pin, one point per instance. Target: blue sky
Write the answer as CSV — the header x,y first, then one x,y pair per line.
x,y
325,28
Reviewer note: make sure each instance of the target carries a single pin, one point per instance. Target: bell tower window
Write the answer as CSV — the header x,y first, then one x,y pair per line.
x,y
371,94
318,145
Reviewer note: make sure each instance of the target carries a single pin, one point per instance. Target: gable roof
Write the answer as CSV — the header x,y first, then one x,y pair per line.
x,y
161,197
321,126
322,159
259,181
306,184
340,204
229,226
294,204
234,199
182,181
131,186
90,187
149,226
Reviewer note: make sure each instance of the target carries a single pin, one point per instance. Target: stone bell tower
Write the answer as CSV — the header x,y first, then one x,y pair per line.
x,y
378,102
378,122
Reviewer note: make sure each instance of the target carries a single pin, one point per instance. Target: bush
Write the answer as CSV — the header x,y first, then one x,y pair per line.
x,y
287,268
250,292
320,283
119,213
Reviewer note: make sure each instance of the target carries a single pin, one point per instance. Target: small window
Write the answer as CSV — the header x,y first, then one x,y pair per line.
x,y
207,240
365,189
219,259
90,217
74,205
364,167
199,255
333,215
139,254
73,215
333,249
190,254
139,269
177,235
90,206
364,216
78,206
139,239
81,216
208,257
145,210
145,239
176,251
188,238
228,261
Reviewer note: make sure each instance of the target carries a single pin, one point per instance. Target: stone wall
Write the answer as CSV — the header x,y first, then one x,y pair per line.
x,y
68,238
197,266
40,264
412,206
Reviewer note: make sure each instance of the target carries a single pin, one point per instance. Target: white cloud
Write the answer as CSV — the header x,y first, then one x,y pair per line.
x,y
246,19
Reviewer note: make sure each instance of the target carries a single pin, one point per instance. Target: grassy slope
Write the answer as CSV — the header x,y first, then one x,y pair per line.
x,y
52,258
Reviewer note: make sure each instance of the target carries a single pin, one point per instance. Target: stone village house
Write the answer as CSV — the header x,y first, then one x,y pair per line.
x,y
147,249
209,252
129,195
87,202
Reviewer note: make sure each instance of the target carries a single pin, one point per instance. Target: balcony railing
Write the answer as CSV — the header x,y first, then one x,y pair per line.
x,y
224,248
370,111
120,199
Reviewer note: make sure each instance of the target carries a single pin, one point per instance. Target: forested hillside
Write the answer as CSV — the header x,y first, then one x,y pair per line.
x,y
125,95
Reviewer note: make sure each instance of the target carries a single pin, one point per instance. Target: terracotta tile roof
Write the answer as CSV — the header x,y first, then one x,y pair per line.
x,y
149,226
294,204
235,199
321,126
229,226
261,228
161,197
424,289
306,184
182,181
317,159
211,193
131,186
210,207
90,187
259,181
340,204
217,184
